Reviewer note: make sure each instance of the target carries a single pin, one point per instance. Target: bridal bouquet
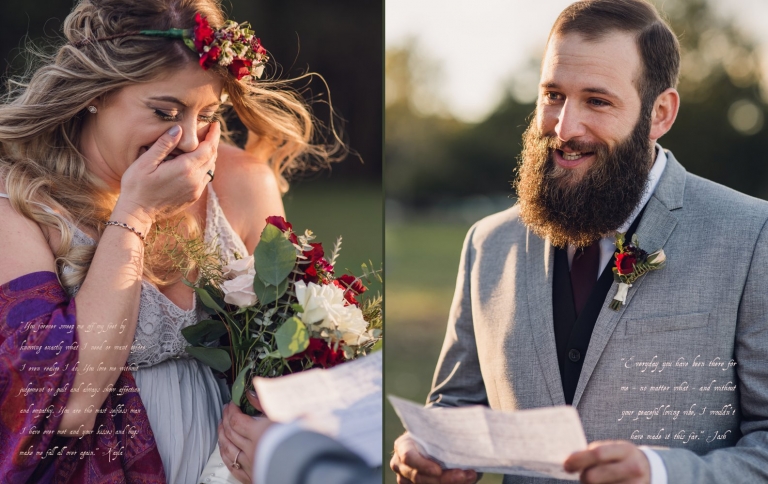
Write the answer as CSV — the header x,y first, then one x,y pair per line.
x,y
284,310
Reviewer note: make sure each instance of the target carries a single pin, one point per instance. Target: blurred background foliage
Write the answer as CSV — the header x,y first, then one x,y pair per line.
x,y
342,40
442,174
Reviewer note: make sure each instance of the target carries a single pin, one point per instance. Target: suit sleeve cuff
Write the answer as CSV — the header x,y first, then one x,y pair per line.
x,y
658,469
269,442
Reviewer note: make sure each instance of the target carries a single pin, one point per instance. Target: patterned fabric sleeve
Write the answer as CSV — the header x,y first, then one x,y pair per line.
x,y
38,361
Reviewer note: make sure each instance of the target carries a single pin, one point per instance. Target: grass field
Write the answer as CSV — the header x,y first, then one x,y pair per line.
x,y
331,209
422,260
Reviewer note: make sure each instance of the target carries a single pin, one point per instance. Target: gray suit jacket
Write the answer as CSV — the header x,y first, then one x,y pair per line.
x,y
657,372
312,458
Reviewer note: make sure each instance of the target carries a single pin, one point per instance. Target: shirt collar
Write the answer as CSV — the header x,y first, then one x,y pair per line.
x,y
650,186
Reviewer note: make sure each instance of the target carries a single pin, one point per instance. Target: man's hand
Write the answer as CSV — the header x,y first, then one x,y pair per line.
x,y
610,462
413,468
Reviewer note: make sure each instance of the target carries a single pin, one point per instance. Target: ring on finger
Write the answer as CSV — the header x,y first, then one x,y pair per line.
x,y
210,173
235,464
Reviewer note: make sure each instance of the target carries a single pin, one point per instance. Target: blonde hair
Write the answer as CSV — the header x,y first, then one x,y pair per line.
x,y
41,118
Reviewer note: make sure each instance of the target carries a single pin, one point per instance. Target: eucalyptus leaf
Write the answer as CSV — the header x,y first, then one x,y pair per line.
x,y
216,358
292,337
268,293
205,331
238,387
207,299
274,257
378,346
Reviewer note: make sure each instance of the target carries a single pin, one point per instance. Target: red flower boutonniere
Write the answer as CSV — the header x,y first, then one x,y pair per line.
x,y
632,263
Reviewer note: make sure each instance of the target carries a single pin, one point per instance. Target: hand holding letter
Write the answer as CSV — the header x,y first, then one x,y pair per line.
x,y
610,462
413,468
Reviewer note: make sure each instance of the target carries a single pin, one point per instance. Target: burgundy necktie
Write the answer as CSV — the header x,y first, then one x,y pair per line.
x,y
584,269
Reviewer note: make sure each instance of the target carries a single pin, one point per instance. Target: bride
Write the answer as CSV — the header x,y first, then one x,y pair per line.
x,y
118,133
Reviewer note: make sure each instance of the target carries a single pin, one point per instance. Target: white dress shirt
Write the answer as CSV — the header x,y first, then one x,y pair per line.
x,y
607,249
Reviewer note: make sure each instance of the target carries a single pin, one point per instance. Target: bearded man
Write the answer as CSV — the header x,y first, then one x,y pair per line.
x,y
676,357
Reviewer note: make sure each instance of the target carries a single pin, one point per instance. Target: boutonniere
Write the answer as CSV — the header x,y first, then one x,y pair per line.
x,y
632,263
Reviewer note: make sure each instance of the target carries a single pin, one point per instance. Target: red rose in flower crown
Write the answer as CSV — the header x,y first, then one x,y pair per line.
x,y
204,34
240,68
210,58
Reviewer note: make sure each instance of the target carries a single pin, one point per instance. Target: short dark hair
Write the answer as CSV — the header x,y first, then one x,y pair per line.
x,y
658,45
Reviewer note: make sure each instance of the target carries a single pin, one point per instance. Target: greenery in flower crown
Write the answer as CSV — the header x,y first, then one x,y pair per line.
x,y
233,46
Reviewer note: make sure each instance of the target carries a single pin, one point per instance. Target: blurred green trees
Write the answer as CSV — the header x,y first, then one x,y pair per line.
x,y
719,134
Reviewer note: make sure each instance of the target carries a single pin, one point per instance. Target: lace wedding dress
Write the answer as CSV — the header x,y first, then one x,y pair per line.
x,y
182,398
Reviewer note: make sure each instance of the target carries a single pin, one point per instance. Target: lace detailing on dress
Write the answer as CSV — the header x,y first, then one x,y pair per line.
x,y
217,227
158,332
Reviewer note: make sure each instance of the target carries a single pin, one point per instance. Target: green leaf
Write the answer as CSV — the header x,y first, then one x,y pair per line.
x,y
216,358
292,337
204,332
268,293
207,299
274,257
298,308
238,387
378,346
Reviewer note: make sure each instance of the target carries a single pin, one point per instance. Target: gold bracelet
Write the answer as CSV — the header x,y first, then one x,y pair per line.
x,y
125,226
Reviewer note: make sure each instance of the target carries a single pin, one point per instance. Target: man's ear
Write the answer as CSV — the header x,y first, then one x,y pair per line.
x,y
664,113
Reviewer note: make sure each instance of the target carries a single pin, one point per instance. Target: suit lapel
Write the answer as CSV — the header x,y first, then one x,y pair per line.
x,y
657,224
540,263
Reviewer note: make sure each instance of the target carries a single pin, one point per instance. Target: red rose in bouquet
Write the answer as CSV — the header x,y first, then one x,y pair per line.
x,y
352,287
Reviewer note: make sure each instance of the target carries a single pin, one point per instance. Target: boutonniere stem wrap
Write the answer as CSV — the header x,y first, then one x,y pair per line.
x,y
632,263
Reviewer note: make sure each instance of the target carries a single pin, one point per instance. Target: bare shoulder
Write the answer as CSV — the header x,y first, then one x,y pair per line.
x,y
25,248
248,191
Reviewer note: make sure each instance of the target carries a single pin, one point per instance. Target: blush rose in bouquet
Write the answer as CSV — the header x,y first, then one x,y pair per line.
x,y
283,310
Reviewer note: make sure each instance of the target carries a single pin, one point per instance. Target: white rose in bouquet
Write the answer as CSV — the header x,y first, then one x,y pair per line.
x,y
325,307
239,267
352,325
238,290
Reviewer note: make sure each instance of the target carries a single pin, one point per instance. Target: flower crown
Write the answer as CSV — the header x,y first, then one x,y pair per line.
x,y
233,46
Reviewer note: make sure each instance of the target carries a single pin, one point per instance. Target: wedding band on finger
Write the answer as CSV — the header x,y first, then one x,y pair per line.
x,y
210,173
235,464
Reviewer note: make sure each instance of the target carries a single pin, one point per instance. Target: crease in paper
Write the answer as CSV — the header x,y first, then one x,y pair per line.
x,y
527,442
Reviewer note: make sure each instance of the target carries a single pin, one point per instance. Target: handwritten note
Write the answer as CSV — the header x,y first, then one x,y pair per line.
x,y
527,442
44,361
694,399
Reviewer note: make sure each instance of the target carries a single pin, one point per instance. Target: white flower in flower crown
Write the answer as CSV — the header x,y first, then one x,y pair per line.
x,y
325,307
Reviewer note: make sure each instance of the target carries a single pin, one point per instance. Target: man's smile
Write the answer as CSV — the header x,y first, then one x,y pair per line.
x,y
573,159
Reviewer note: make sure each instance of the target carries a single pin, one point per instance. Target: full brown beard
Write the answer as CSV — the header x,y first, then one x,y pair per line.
x,y
555,204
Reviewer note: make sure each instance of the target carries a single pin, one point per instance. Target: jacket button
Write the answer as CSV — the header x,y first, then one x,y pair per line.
x,y
574,355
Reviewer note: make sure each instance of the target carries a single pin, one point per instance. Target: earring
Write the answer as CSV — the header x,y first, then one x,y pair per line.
x,y
92,109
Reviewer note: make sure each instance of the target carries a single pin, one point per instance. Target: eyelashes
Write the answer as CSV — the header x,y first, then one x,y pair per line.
x,y
170,117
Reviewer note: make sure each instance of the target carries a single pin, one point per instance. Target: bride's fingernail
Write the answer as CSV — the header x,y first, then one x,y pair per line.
x,y
252,393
